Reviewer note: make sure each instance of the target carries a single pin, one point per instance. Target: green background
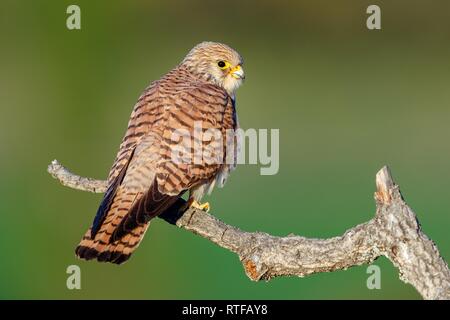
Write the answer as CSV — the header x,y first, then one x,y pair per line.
x,y
346,100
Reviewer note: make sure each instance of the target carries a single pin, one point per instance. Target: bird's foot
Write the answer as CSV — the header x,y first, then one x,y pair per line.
x,y
201,206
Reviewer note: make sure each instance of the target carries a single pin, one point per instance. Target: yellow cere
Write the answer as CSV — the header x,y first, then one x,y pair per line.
x,y
237,72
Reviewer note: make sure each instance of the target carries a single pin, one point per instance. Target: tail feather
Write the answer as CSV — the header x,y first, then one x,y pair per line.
x,y
116,252
123,225
149,205
100,246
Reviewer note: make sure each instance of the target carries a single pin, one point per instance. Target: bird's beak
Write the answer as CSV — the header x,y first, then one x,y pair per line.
x,y
237,72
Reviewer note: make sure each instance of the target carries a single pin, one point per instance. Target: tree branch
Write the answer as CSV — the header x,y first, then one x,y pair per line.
x,y
68,179
394,232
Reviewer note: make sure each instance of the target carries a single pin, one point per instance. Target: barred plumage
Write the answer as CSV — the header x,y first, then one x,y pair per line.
x,y
144,180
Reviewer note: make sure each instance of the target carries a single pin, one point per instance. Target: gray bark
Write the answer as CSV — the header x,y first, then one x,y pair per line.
x,y
394,232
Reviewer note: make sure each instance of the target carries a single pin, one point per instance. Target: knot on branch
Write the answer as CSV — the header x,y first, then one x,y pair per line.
x,y
251,270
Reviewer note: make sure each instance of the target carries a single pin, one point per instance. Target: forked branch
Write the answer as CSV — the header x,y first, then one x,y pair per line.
x,y
394,232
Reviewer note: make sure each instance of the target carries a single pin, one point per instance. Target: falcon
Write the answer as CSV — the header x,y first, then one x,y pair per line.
x,y
145,180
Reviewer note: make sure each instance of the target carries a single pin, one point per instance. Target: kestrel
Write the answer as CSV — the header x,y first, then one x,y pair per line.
x,y
145,180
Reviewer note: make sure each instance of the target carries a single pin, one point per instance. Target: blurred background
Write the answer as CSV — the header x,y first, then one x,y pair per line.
x,y
347,101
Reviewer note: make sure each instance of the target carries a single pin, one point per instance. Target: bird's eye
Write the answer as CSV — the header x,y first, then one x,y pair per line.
x,y
222,64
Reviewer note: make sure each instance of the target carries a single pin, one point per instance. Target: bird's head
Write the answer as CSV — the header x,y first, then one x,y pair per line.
x,y
216,63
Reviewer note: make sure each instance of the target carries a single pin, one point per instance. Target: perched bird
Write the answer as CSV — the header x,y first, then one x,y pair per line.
x,y
144,181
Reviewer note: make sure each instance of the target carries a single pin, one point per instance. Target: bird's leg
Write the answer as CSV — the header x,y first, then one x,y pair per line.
x,y
195,194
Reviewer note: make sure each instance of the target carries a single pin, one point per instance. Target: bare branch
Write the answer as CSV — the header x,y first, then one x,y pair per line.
x,y
68,179
394,232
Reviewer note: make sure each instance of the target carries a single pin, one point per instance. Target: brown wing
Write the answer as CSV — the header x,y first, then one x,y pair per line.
x,y
203,103
129,178
208,107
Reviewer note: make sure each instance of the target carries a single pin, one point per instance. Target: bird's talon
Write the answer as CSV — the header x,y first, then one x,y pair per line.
x,y
201,206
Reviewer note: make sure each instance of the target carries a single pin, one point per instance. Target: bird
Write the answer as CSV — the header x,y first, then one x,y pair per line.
x,y
144,180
